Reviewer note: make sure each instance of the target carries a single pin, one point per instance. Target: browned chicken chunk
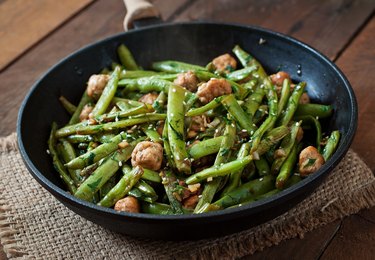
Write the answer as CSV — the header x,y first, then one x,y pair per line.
x,y
224,63
96,85
279,77
212,89
128,204
305,99
148,155
85,113
148,98
187,80
310,160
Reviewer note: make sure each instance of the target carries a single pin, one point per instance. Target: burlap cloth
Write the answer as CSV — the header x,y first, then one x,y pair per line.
x,y
33,224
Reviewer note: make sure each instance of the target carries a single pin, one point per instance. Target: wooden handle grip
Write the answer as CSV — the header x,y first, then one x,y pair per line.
x,y
138,9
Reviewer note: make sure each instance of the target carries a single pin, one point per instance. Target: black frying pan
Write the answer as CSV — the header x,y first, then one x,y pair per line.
x,y
196,43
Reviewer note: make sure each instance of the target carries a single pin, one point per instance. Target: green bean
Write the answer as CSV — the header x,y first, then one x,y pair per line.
x,y
247,60
213,186
201,110
68,153
103,173
126,58
262,166
230,103
314,110
269,122
285,91
287,167
253,102
69,107
205,147
175,114
272,138
97,153
170,183
260,114
137,193
251,85
160,209
241,74
146,188
219,170
128,180
84,101
285,147
160,102
103,191
331,145
139,110
175,66
150,175
56,161
167,147
119,125
235,177
107,95
151,133
75,139
146,84
133,74
292,104
128,102
246,191
316,124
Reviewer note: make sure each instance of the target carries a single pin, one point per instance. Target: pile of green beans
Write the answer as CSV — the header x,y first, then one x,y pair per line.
x,y
249,146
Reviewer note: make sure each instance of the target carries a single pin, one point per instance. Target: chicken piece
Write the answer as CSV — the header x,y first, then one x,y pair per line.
x,y
224,63
305,99
212,89
279,77
128,204
310,160
187,80
96,85
85,113
148,155
148,98
190,202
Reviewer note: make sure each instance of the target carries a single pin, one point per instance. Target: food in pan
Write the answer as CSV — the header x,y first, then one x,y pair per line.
x,y
183,138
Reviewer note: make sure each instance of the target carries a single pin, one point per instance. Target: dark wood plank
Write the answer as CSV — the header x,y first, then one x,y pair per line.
x,y
23,23
326,25
354,240
296,248
357,62
368,214
101,19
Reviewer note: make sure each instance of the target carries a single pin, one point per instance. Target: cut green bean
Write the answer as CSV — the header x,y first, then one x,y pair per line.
x,y
314,110
84,101
209,106
287,167
59,167
69,107
284,97
175,66
206,147
126,58
128,180
176,124
331,145
292,104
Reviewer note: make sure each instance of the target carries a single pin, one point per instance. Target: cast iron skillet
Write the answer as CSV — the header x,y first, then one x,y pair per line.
x,y
196,43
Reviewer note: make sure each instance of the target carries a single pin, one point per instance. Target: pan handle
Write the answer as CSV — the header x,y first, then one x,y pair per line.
x,y
140,13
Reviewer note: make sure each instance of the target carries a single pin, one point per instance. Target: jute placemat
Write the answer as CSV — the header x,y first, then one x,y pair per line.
x,y
33,224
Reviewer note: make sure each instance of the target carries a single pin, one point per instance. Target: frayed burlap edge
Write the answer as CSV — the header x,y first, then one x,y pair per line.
x,y
7,232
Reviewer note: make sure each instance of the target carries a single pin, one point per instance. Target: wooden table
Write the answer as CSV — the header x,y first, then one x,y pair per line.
x,y
36,34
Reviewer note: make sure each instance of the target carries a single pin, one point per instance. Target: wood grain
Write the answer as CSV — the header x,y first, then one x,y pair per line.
x,y
354,240
291,249
325,25
23,23
357,63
